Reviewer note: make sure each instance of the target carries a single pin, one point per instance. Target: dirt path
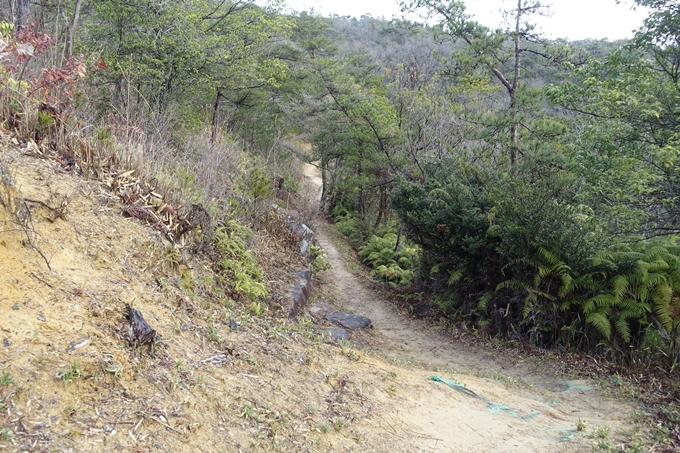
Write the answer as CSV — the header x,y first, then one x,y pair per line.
x,y
516,405
402,339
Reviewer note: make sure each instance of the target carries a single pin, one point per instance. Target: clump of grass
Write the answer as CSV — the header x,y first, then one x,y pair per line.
x,y
600,432
212,333
339,423
69,374
5,378
322,427
581,425
257,308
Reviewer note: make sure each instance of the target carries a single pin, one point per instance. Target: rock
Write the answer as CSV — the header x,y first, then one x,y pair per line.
x,y
302,233
301,293
348,320
337,333
319,310
304,247
139,330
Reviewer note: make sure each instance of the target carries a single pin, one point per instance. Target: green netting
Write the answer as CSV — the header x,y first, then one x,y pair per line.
x,y
564,434
571,386
493,408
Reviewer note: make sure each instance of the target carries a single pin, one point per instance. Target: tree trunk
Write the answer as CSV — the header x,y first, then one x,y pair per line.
x,y
215,118
382,207
23,14
71,28
324,186
514,145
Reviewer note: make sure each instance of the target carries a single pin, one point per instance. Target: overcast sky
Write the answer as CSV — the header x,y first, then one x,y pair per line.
x,y
572,19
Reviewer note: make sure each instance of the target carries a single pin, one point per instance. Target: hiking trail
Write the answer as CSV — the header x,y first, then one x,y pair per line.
x,y
495,404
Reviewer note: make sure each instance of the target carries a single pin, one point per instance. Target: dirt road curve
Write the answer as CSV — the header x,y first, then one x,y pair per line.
x,y
516,406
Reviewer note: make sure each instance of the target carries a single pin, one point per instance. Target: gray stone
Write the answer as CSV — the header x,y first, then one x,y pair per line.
x,y
301,293
337,333
319,310
348,320
302,233
304,246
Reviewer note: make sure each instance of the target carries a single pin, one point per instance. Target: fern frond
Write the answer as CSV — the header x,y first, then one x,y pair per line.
x,y
654,252
636,307
484,300
662,305
512,284
620,284
454,276
597,302
652,285
567,285
590,282
529,302
623,328
599,320
548,256
436,268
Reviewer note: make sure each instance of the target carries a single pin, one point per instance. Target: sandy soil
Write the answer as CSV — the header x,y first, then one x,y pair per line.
x,y
520,405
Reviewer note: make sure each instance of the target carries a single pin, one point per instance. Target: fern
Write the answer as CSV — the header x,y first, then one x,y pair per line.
x,y
600,321
454,276
396,267
237,266
484,300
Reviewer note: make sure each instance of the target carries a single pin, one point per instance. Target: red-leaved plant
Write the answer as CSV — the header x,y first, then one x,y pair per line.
x,y
28,83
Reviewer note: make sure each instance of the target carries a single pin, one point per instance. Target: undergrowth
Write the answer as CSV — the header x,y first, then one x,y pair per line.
x,y
237,266
392,261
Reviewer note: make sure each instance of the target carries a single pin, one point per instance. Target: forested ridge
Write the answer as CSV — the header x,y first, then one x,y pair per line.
x,y
520,186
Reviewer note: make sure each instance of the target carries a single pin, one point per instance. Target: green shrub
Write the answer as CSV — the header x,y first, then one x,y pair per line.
x,y
630,297
523,253
320,261
624,301
348,226
237,266
391,263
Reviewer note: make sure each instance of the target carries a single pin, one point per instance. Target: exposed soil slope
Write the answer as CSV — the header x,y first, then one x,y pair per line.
x,y
78,386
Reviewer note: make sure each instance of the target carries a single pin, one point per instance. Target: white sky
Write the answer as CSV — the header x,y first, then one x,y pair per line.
x,y
572,19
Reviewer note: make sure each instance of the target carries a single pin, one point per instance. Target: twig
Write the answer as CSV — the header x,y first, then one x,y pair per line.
x,y
166,425
28,236
58,212
38,278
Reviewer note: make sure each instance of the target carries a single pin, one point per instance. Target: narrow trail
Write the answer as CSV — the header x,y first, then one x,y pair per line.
x,y
522,406
398,337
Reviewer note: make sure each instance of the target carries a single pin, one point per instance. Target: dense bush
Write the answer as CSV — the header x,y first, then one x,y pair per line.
x,y
520,254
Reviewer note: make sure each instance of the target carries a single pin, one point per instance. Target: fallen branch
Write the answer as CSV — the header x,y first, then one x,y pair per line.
x,y
58,213
28,236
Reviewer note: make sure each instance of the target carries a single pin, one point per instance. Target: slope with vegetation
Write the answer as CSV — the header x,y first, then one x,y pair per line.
x,y
521,187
